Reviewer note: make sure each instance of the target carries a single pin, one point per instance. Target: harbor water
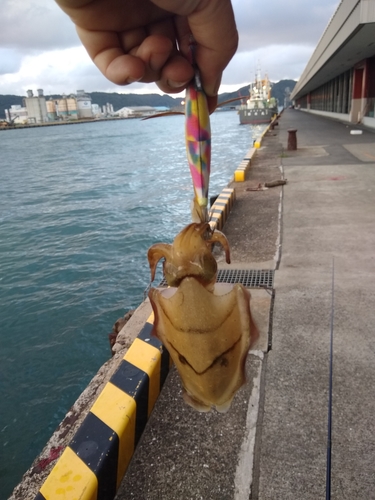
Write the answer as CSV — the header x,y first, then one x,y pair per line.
x,y
79,207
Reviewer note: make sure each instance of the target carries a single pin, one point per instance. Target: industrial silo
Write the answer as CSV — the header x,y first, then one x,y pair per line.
x,y
83,105
36,107
62,107
51,110
71,103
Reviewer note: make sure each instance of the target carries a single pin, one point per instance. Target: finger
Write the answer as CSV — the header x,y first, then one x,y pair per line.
x,y
176,74
105,50
211,103
131,39
154,51
173,72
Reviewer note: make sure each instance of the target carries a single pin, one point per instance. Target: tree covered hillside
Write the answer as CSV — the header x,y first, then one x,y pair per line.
x,y
6,101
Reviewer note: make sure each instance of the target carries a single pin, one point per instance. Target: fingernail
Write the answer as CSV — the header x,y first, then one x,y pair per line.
x,y
132,80
176,85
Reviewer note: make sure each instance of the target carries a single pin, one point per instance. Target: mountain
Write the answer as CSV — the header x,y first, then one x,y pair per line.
x,y
282,89
119,101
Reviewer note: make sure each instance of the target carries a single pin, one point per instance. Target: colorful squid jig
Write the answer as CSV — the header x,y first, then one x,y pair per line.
x,y
198,146
206,326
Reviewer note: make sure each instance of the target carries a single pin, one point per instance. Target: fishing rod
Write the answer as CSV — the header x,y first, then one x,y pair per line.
x,y
329,433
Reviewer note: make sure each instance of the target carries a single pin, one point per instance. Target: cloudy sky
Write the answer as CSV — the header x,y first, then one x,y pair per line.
x,y
39,47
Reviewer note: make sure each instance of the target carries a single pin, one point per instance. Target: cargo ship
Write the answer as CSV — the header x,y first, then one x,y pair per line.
x,y
260,107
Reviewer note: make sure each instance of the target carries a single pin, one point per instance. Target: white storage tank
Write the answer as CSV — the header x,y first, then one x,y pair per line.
x,y
83,105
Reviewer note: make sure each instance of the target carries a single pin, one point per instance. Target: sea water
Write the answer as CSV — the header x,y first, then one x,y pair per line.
x,y
79,207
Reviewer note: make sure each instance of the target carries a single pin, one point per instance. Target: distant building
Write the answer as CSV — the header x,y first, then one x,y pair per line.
x,y
36,107
71,107
16,114
135,111
96,111
37,110
339,79
51,110
162,109
108,109
64,108
83,105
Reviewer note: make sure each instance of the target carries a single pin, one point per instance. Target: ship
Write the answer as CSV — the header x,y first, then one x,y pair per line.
x,y
260,107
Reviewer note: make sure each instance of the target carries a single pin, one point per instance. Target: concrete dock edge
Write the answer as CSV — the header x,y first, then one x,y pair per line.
x,y
95,461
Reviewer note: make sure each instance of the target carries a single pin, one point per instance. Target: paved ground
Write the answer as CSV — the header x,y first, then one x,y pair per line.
x,y
328,211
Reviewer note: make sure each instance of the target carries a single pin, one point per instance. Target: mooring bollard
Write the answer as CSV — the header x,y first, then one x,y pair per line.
x,y
292,139
273,124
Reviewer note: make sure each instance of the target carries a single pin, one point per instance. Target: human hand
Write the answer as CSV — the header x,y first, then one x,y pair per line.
x,y
148,40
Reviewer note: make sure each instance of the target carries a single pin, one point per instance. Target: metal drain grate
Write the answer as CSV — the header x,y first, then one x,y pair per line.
x,y
249,278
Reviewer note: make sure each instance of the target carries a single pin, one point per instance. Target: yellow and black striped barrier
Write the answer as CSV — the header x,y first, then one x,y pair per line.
x,y
219,211
240,172
94,463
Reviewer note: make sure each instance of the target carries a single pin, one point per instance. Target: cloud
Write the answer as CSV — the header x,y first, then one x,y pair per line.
x,y
55,71
32,26
10,61
61,71
278,61
291,22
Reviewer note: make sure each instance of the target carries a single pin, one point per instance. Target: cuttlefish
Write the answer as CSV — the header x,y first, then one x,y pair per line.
x,y
206,326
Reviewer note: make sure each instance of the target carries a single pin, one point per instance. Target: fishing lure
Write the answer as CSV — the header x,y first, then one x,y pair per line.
x,y
198,146
207,327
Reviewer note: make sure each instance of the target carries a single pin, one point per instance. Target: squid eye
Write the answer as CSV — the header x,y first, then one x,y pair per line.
x,y
224,362
182,359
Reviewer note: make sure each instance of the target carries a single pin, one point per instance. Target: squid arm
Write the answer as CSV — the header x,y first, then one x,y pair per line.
x,y
189,255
